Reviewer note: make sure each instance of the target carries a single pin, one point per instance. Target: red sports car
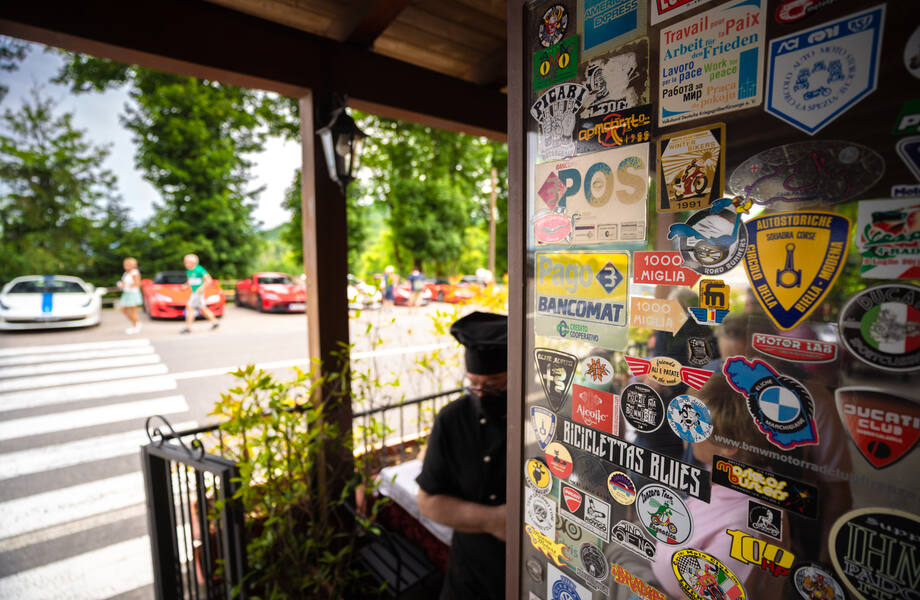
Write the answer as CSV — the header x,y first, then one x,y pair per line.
x,y
166,295
271,292
443,290
403,291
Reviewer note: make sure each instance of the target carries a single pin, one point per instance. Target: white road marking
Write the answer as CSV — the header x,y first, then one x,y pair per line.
x,y
99,415
56,456
49,534
78,365
86,391
29,383
23,350
94,575
32,359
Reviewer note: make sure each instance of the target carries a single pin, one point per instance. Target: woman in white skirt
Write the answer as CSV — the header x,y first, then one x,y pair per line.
x,y
130,285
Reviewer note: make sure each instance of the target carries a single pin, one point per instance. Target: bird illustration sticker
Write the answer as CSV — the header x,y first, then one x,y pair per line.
x,y
713,240
691,168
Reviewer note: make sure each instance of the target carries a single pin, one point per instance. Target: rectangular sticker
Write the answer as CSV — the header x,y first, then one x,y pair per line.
x,y
617,80
582,296
691,168
614,129
888,238
712,63
765,486
596,408
555,64
662,10
586,510
606,24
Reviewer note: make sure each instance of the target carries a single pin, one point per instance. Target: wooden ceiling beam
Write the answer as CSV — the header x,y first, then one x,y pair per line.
x,y
491,71
364,24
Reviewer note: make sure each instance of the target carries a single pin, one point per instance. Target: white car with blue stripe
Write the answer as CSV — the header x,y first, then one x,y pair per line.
x,y
49,302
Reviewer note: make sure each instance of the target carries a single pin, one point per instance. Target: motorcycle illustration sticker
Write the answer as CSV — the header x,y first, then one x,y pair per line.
x,y
702,576
664,515
691,168
713,240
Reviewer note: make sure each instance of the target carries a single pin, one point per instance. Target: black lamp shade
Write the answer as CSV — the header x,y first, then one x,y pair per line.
x,y
341,138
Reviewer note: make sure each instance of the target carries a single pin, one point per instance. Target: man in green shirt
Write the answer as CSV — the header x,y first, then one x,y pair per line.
x,y
199,280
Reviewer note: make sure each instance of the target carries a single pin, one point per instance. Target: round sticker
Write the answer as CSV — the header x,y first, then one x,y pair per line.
x,y
912,53
642,407
538,476
881,327
702,576
553,25
542,513
621,487
559,460
593,561
597,370
664,515
713,240
689,418
814,583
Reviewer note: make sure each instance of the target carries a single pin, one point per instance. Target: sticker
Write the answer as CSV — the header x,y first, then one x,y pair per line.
x,y
702,576
555,64
621,488
634,583
821,172
614,129
535,570
553,25
630,537
582,296
538,476
557,370
817,74
543,422
794,349
555,111
912,53
667,371
609,23
790,11
595,565
664,515
654,313
713,240
714,294
540,512
909,151
662,268
573,537
642,407
765,519
905,191
874,551
676,474
616,81
552,228
665,9
559,460
772,488
560,586
689,419
881,327
703,316
793,260
586,510
781,406
596,409
699,353
884,427
888,238
691,168
816,583
554,551
603,194
909,119
769,557
597,370
712,63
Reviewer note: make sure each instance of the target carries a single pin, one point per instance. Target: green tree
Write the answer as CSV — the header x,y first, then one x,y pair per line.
x,y
12,52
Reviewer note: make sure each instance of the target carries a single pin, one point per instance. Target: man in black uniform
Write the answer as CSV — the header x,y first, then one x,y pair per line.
x,y
462,483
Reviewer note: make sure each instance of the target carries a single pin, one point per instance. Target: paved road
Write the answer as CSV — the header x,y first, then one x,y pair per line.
x,y
72,410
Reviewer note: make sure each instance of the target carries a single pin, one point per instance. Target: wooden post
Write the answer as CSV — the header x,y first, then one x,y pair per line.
x,y
492,222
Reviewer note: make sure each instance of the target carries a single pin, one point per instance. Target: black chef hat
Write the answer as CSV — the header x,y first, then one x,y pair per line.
x,y
485,336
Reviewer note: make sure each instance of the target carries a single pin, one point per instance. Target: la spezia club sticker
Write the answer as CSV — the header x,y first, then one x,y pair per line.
x,y
667,371
713,240
540,512
689,418
538,476
543,422
747,549
559,460
691,168
664,515
793,260
881,327
596,409
874,552
814,581
884,426
702,576
621,488
781,407
560,586
556,370
586,510
642,407
597,370
765,486
888,238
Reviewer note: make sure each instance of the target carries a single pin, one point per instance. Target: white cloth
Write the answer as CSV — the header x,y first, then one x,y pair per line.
x,y
398,482
128,281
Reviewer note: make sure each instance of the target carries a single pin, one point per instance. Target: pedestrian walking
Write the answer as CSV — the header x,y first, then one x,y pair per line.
x,y
198,280
388,285
416,287
130,286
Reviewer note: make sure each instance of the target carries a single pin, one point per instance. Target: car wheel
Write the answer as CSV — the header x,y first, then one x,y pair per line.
x,y
259,305
440,296
650,551
236,299
620,537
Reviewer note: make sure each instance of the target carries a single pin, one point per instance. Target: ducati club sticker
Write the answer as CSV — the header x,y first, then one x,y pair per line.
x,y
664,515
691,168
881,327
765,519
621,488
794,349
596,409
884,427
765,486
781,406
555,111
662,268
553,25
888,238
559,460
702,576
538,476
689,419
793,260
556,370
586,510
667,371
543,422
814,582
540,512
713,240
597,370
642,407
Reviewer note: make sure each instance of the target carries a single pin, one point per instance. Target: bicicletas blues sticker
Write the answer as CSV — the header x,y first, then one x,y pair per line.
x,y
881,327
702,576
556,370
713,240
555,110
772,488
793,260
888,238
884,426
543,422
691,168
664,515
817,74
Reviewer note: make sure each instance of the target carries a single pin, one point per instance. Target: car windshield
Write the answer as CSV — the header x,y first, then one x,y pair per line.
x,y
170,277
284,279
47,286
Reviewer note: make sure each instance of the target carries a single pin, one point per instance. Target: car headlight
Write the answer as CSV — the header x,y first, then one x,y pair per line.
x,y
88,302
162,297
3,306
213,298
272,296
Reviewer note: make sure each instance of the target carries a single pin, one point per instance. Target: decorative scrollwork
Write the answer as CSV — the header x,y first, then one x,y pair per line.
x,y
158,437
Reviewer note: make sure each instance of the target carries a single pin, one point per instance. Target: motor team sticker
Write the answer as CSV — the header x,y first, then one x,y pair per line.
x,y
881,327
817,74
667,371
537,475
765,486
888,238
664,515
609,23
555,110
556,370
712,62
642,407
582,296
702,576
586,510
689,418
543,422
597,370
814,582
883,426
558,460
713,240
655,313
662,268
555,64
793,260
621,488
794,349
691,168
614,129
765,519
596,408
769,557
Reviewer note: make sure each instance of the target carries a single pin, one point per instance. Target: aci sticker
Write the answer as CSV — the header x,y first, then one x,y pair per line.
x,y
888,238
793,260
609,23
662,268
581,296
543,422
881,327
691,168
781,406
874,551
597,370
817,74
596,409
909,119
765,519
702,576
635,583
769,557
555,111
559,460
699,352
540,512
586,510
655,313
664,515
883,426
765,486
814,582
794,349
555,64
556,369
790,11
554,551
553,25
621,488
689,418
642,407
560,586
909,151
713,240
630,537
538,476
667,371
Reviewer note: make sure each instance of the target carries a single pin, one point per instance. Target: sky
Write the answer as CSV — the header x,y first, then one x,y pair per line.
x,y
98,114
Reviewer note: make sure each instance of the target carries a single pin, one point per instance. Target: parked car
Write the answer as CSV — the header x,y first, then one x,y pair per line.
x,y
166,295
271,292
362,296
443,290
49,302
630,536
401,293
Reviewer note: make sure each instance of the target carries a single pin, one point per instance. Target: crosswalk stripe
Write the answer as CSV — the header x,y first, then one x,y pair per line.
x,y
94,575
87,417
29,383
32,359
68,454
23,350
86,391
78,365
